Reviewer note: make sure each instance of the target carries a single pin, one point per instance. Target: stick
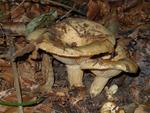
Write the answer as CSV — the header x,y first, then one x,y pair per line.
x,y
58,4
16,80
66,15
66,7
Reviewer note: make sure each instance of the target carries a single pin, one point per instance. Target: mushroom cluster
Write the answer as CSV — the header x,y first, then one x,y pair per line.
x,y
82,44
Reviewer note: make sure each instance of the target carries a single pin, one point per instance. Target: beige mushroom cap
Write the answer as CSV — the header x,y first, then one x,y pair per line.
x,y
80,32
121,61
75,37
126,65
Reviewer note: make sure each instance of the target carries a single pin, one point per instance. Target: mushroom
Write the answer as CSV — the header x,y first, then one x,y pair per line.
x,y
73,41
106,67
111,107
111,91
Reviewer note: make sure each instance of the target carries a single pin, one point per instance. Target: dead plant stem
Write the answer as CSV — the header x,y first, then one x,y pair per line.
x,y
15,74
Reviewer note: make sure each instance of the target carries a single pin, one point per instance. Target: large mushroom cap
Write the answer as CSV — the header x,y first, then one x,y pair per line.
x,y
75,37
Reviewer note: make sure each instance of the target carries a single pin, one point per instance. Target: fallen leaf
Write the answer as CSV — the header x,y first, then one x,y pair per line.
x,y
93,10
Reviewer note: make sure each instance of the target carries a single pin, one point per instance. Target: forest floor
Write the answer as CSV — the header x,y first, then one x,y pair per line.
x,y
133,93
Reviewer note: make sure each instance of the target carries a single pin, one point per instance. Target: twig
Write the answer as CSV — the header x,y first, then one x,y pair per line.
x,y
61,5
15,8
18,6
130,4
66,7
1,29
16,80
67,14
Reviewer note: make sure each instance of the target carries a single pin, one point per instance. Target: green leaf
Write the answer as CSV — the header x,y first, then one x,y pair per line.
x,y
43,20
30,103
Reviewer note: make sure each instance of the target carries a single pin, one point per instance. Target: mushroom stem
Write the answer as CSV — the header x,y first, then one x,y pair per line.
x,y
75,75
98,85
101,80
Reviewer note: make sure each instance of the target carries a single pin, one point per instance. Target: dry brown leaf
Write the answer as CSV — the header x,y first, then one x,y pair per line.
x,y
8,77
97,9
41,108
93,10
104,8
141,109
10,109
17,14
35,10
4,63
15,28
4,8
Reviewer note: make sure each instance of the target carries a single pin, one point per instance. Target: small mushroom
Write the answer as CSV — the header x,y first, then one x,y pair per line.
x,y
111,91
105,68
73,41
111,107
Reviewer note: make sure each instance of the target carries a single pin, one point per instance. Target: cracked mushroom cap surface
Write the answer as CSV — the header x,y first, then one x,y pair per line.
x,y
74,37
